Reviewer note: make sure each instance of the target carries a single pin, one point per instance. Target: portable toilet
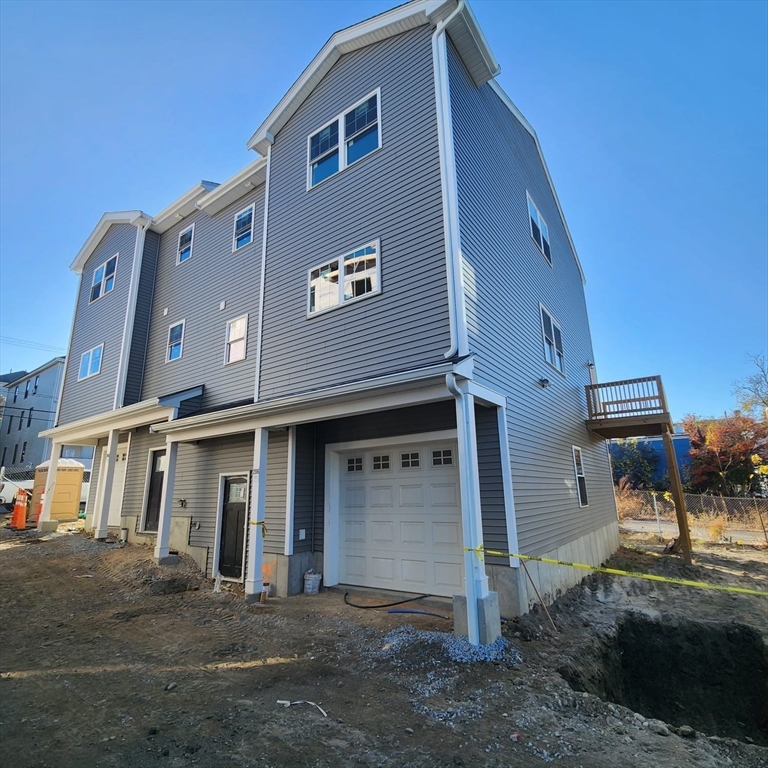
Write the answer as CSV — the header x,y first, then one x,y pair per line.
x,y
66,499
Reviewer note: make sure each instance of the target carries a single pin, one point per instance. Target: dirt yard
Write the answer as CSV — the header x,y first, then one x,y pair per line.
x,y
108,660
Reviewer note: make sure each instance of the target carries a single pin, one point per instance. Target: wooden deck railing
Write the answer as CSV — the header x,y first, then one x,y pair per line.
x,y
632,397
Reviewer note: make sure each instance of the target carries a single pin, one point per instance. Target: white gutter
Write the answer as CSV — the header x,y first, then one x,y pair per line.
x,y
265,225
142,224
456,308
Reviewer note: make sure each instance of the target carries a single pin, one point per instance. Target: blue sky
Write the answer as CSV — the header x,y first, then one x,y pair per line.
x,y
653,117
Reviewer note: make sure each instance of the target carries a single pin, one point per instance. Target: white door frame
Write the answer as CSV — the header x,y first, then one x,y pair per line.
x,y
145,498
219,515
100,483
333,478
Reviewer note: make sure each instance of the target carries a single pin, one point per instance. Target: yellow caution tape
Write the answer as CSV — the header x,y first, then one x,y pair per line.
x,y
618,572
262,524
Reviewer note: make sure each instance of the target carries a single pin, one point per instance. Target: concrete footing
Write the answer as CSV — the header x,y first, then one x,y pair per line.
x,y
167,560
488,617
47,526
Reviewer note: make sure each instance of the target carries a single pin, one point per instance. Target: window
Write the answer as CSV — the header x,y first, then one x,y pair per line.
x,y
29,417
68,453
443,458
15,452
15,394
355,464
350,277
175,341
90,362
345,140
539,230
553,341
23,453
184,248
37,384
26,389
5,451
104,279
243,233
235,343
581,481
21,420
10,422
380,462
409,460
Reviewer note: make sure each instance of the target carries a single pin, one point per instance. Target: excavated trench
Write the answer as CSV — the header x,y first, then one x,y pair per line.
x,y
713,677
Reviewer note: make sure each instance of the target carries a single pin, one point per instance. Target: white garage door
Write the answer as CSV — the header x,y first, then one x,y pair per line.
x,y
400,518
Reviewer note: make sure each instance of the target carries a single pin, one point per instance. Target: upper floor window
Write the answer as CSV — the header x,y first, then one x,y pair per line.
x,y
90,362
347,278
37,384
539,230
553,341
26,389
15,394
175,341
243,233
21,420
236,331
29,417
184,248
346,139
581,481
10,424
104,278
23,452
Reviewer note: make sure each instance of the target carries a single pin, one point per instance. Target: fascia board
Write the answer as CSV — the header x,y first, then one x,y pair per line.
x,y
394,22
250,177
36,372
528,127
181,207
106,221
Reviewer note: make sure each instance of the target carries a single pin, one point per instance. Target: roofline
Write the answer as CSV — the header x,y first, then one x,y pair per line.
x,y
137,218
174,212
53,361
385,25
249,177
528,127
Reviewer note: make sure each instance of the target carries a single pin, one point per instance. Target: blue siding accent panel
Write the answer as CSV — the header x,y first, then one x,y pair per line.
x,y
393,194
505,277
99,323
141,319
193,291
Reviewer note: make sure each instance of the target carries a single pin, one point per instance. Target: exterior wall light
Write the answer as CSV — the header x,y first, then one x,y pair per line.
x,y
543,383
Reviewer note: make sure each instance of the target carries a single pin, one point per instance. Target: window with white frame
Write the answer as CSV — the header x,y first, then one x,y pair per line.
x,y
37,384
104,278
26,388
381,462
355,464
442,458
243,228
347,278
175,341
581,481
539,230
90,362
553,341
184,248
409,460
235,342
349,137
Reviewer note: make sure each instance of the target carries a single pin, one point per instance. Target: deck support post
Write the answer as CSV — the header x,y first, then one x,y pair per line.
x,y
677,494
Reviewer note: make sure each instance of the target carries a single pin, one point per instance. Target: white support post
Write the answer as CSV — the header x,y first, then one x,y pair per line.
x,y
50,485
256,515
101,513
162,553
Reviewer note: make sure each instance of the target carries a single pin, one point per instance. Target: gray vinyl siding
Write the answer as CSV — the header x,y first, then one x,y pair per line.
x,y
277,485
193,291
99,323
142,441
394,195
506,278
491,482
141,320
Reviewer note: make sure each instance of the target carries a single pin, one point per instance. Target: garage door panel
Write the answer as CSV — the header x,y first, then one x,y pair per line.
x,y
446,535
381,496
449,576
412,533
354,566
444,495
383,568
411,495
414,572
383,532
354,530
354,498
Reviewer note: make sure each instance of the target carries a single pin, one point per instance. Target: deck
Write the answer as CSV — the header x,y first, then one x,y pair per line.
x,y
629,408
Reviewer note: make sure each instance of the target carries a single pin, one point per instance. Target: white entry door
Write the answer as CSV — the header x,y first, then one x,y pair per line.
x,y
118,484
400,518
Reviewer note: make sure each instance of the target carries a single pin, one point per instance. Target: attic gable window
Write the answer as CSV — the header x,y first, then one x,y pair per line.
x,y
553,341
349,137
104,278
347,278
539,230
243,233
184,250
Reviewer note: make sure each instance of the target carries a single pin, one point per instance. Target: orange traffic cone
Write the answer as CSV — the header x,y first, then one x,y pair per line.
x,y
19,517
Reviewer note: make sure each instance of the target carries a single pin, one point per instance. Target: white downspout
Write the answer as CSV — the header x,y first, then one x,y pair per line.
x,y
263,274
456,309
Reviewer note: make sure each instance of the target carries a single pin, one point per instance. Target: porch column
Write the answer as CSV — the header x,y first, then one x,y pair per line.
x,y
162,554
101,513
50,485
256,516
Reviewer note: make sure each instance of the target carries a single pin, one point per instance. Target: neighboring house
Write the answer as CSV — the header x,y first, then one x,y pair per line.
x,y
5,380
364,353
655,445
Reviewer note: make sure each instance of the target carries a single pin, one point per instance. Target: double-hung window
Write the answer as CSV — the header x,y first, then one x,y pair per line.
x,y
175,341
539,230
29,417
243,229
184,247
90,362
104,278
235,342
344,279
581,481
37,384
349,137
553,341
21,420
26,388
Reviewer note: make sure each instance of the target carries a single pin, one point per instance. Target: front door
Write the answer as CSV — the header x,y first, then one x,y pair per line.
x,y
233,527
157,473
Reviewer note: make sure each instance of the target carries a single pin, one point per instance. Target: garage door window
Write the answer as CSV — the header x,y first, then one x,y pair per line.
x,y
380,463
443,458
355,464
409,460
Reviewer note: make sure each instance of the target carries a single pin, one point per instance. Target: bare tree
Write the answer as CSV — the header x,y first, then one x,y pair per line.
x,y
752,392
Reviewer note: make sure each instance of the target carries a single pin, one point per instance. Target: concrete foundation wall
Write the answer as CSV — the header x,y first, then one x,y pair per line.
x,y
285,573
516,594
178,541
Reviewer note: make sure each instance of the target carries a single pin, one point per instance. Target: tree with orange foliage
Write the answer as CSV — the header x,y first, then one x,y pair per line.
x,y
724,453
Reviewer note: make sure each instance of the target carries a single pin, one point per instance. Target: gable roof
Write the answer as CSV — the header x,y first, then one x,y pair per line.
x,y
106,221
24,375
465,33
181,207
